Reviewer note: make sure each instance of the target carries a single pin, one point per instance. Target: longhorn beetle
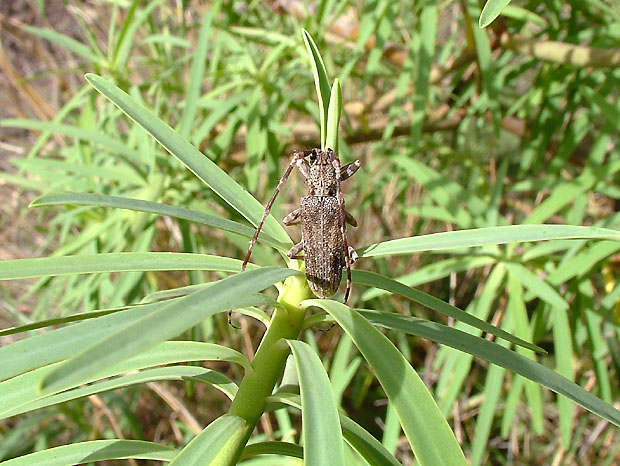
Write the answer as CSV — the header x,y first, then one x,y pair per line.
x,y
323,221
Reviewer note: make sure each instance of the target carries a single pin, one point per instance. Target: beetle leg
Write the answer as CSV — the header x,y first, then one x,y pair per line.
x,y
293,218
295,250
298,155
353,255
350,219
348,170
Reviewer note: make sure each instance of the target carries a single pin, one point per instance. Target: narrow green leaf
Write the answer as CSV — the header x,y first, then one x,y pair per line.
x,y
486,236
23,389
92,56
123,47
95,137
426,429
496,354
492,390
522,14
537,285
156,208
564,365
58,321
364,277
491,10
205,446
333,117
197,72
58,344
486,63
435,271
359,438
165,322
207,171
424,62
365,444
49,169
322,435
114,262
583,262
272,448
219,381
95,450
321,81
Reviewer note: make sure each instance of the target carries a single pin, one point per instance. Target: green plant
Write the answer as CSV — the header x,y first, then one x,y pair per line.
x,y
124,344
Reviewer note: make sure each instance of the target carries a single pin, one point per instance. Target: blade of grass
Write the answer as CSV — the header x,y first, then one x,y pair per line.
x,y
92,56
197,72
424,61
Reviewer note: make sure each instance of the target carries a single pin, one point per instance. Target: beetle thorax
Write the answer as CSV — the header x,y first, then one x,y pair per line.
x,y
322,179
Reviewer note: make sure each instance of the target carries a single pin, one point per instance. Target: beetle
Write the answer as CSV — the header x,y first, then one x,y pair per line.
x,y
323,220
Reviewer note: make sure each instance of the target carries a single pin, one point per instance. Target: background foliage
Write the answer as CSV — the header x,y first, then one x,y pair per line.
x,y
457,127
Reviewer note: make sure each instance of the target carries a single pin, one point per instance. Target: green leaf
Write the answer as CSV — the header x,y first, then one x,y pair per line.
x,y
379,281
96,450
491,10
359,438
23,389
114,262
435,271
495,354
198,68
123,47
95,137
93,56
537,285
486,236
49,169
424,61
204,448
365,444
272,448
156,208
322,436
321,81
207,171
163,323
58,321
426,429
219,381
333,117
486,63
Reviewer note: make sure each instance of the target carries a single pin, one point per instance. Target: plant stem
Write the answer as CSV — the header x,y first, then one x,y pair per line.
x,y
256,386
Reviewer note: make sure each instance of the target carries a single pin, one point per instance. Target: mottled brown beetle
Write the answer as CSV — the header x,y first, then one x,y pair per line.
x,y
323,221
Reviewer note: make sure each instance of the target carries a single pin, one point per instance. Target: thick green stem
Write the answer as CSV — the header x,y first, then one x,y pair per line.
x,y
256,386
